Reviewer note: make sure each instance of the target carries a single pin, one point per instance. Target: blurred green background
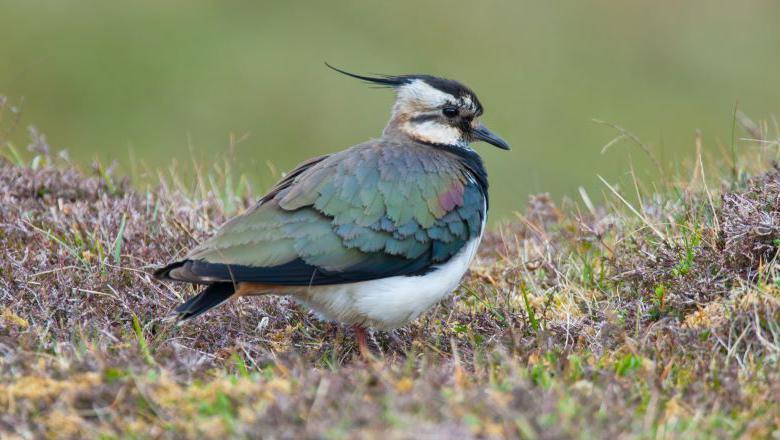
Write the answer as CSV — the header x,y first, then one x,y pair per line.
x,y
174,79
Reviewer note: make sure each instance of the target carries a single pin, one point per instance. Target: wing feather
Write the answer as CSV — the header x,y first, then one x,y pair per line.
x,y
373,211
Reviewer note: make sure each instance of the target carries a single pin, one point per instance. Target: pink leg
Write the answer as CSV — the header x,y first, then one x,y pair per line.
x,y
362,339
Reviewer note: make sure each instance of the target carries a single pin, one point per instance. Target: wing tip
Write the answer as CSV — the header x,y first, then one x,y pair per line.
x,y
164,273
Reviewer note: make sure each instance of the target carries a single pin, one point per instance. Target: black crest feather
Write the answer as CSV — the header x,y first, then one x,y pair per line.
x,y
384,80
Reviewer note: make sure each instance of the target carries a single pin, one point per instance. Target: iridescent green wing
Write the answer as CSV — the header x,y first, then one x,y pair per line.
x,y
372,211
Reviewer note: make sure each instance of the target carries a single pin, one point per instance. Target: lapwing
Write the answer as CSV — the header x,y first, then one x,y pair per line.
x,y
371,236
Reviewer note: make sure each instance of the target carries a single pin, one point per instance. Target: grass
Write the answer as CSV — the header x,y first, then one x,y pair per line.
x,y
655,319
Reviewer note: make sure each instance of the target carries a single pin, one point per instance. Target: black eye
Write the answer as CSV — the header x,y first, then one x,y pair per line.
x,y
450,112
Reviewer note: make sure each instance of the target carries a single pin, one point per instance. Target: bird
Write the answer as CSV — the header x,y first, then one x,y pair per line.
x,y
371,236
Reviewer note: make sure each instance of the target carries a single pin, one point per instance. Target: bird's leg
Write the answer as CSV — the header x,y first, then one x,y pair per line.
x,y
362,339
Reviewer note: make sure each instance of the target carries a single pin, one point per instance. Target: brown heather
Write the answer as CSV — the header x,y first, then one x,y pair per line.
x,y
584,322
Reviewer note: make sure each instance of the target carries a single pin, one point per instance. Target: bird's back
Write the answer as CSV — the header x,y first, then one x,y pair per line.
x,y
382,208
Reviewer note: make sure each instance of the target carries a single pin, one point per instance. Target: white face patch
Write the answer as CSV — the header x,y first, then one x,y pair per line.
x,y
419,93
434,132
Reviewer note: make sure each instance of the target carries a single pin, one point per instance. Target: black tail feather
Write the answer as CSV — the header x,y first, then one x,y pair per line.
x,y
210,297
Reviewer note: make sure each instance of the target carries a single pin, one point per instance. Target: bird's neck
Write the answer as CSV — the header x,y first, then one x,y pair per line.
x,y
395,130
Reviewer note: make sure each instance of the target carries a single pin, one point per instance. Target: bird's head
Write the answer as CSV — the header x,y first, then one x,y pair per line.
x,y
434,110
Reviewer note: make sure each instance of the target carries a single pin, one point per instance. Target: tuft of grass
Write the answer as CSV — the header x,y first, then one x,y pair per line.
x,y
117,246
143,346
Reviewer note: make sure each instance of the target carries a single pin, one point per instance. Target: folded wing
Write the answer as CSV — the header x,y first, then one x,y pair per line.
x,y
369,212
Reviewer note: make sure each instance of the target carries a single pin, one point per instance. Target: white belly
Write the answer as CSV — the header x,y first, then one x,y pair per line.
x,y
389,302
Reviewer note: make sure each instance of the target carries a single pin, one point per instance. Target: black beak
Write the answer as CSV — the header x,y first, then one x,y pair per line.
x,y
481,133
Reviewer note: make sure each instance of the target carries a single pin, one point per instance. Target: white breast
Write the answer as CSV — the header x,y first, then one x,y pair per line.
x,y
389,302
